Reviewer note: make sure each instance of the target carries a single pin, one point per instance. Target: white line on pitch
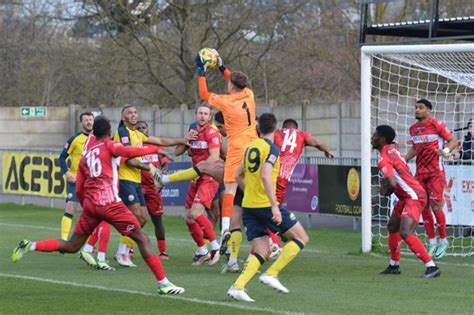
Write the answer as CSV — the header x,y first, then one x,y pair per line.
x,y
181,298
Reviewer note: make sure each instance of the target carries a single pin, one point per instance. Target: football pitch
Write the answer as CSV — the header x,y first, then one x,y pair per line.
x,y
329,276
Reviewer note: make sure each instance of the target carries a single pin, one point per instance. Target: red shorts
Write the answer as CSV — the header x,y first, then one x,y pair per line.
x,y
115,213
202,191
154,203
434,185
281,189
409,207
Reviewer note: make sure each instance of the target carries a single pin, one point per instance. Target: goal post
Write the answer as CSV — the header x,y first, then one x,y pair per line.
x,y
393,77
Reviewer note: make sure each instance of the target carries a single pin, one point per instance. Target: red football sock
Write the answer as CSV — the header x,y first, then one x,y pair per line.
x,y
196,233
441,221
418,248
92,240
428,223
275,239
156,267
207,227
161,245
394,242
47,245
103,231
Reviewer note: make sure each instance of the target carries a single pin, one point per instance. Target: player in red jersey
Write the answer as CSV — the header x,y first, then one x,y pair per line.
x,y
412,198
203,189
153,200
427,137
291,142
97,191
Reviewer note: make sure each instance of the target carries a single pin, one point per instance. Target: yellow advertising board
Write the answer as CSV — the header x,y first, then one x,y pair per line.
x,y
33,173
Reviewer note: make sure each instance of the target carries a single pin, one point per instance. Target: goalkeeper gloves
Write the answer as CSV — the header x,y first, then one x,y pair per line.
x,y
220,63
200,67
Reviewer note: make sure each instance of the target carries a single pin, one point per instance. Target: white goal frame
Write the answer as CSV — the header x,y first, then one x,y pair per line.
x,y
365,120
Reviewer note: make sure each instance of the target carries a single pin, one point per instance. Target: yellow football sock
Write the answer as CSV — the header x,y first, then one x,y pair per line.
x,y
66,224
288,253
184,175
127,241
251,267
235,241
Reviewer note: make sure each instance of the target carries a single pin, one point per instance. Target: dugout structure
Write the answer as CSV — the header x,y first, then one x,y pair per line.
x,y
393,77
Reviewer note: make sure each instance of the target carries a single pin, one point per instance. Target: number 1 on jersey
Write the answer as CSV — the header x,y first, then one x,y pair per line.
x,y
244,106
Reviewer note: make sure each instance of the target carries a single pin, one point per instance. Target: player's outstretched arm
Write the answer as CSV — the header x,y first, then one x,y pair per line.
x,y
80,180
411,153
451,145
168,142
387,186
180,149
316,143
63,164
223,68
137,164
118,149
268,185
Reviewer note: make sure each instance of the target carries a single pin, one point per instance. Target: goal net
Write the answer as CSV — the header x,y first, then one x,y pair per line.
x,y
393,78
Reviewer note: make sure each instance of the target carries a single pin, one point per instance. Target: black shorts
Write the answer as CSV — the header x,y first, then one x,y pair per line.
x,y
239,196
257,220
131,193
218,192
71,192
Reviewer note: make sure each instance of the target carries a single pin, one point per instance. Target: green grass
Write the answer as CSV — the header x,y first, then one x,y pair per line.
x,y
331,276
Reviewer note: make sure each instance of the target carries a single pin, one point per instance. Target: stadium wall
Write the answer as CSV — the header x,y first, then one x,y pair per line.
x,y
336,124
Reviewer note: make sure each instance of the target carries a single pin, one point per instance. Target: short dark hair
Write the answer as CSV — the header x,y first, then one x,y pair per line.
x,y
219,117
202,105
425,102
387,132
239,79
85,114
142,122
266,123
101,126
288,123
126,107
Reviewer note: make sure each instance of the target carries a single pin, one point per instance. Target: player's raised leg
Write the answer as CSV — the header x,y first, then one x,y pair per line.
x,y
84,227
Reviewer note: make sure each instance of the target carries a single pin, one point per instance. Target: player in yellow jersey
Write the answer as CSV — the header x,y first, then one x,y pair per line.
x,y
257,176
130,190
73,149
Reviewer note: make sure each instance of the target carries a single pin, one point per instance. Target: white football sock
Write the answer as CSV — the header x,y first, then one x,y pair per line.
x,y
203,250
214,245
122,249
430,264
88,248
101,256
